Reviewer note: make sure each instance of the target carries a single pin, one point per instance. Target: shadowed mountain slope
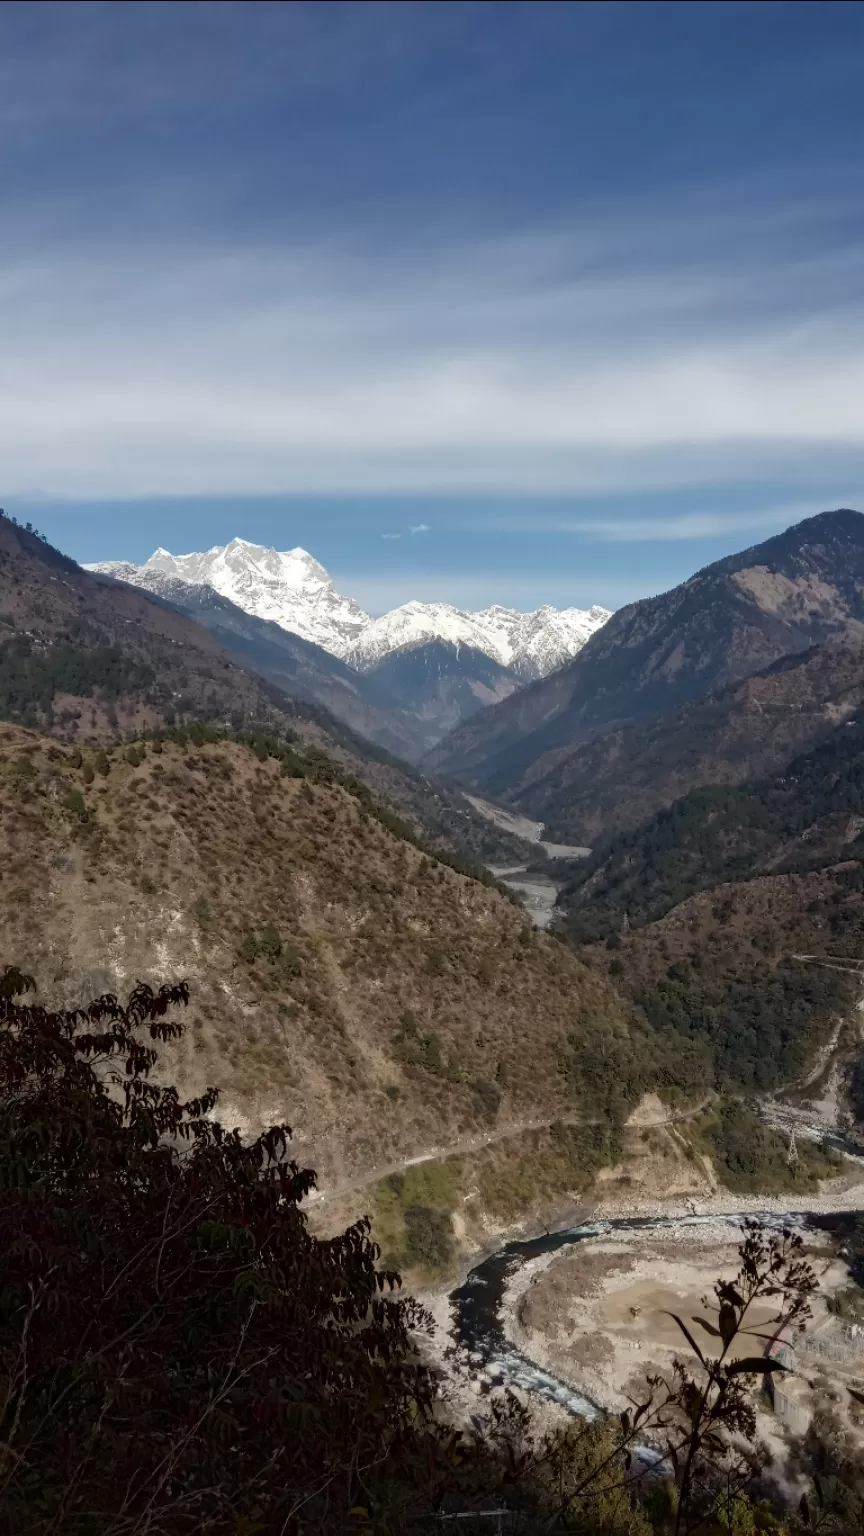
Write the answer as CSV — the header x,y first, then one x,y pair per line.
x,y
735,618
701,912
405,703
90,659
298,666
441,683
735,733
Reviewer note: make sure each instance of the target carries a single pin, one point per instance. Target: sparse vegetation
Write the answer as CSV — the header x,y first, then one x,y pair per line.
x,y
310,928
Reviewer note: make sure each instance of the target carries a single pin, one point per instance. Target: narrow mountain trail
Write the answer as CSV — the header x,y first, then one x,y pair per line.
x,y
479,1142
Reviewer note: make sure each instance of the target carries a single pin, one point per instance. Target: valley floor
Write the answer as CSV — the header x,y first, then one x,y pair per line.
x,y
595,1316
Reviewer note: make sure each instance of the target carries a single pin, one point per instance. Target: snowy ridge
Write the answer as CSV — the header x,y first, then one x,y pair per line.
x,y
287,587
290,588
531,644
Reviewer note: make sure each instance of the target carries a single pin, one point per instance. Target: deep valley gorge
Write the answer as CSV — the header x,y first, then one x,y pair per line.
x,y
431,768
554,1007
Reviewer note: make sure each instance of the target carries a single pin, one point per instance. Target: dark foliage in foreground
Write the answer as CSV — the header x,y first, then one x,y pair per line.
x,y
179,1354
176,1348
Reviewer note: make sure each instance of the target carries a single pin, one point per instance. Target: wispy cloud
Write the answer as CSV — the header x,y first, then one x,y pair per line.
x,y
188,307
417,528
508,364
675,527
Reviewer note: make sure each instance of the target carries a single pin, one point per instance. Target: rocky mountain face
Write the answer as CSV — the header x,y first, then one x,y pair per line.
x,y
291,589
735,733
287,587
93,660
281,613
304,670
406,724
342,980
800,589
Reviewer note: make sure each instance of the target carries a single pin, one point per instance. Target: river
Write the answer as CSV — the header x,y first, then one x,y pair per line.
x,y
477,1325
538,894
538,891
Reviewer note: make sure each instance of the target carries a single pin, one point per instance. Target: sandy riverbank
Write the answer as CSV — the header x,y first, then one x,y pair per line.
x,y
598,1315
595,1319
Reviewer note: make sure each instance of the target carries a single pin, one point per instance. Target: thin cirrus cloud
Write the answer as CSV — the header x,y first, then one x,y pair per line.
x,y
680,527
586,266
554,362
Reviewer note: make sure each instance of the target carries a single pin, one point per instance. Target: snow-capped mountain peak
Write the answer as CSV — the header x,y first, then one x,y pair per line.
x,y
288,587
293,590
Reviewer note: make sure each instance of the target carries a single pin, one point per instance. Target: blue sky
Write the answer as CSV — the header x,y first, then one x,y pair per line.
x,y
576,291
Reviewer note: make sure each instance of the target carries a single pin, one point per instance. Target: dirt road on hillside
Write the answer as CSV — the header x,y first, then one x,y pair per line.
x,y
478,1143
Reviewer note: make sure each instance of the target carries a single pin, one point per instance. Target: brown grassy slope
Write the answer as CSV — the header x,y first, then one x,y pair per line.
x,y
48,601
747,730
391,1001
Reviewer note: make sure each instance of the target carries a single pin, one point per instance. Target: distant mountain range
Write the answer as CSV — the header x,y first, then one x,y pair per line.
x,y
709,742
92,659
530,645
291,589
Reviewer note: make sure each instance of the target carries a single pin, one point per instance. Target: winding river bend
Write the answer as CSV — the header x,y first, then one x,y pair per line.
x,y
477,1323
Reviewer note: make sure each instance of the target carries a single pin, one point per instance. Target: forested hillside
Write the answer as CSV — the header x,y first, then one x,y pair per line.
x,y
91,660
700,913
